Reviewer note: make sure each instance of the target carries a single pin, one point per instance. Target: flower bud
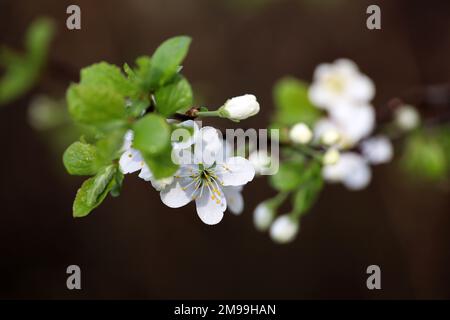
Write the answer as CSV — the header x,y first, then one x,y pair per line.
x,y
330,137
407,117
262,216
240,108
331,156
284,229
300,133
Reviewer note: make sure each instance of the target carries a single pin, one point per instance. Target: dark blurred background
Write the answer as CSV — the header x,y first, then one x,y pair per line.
x,y
135,247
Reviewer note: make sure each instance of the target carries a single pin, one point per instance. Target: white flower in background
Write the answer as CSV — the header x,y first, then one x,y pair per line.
x,y
263,216
284,229
331,156
208,178
340,81
377,149
240,108
261,161
351,169
300,133
407,117
132,161
352,123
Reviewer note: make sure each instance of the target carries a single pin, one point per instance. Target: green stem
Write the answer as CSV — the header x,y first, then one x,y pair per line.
x,y
208,113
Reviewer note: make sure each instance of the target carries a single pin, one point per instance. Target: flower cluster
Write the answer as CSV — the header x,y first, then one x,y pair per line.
x,y
208,174
346,94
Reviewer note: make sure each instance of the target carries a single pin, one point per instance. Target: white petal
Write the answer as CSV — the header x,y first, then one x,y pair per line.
x,y
208,146
210,208
145,173
351,169
235,201
236,171
189,124
178,193
355,121
131,161
362,89
377,149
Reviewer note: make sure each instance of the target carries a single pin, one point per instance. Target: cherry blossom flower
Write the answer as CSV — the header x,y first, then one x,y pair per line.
x,y
340,82
240,108
211,179
352,170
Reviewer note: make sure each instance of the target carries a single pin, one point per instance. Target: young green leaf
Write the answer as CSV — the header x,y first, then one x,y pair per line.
x,y
93,191
96,105
166,60
292,103
81,159
22,70
118,181
108,147
109,76
175,97
161,164
151,134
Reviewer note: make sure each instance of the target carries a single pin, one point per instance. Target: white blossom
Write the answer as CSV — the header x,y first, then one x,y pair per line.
x,y
330,137
407,117
263,216
210,179
300,133
351,169
340,82
351,122
377,149
284,229
240,108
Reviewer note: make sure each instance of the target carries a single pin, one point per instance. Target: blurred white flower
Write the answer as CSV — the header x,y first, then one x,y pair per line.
x,y
338,82
261,161
407,117
207,178
377,149
352,123
240,108
300,133
331,156
351,170
284,229
263,216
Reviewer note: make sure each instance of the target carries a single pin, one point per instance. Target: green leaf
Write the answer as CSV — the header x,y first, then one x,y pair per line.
x,y
292,103
109,76
288,177
93,191
118,181
166,60
81,159
109,146
306,196
38,39
96,105
161,165
425,157
151,134
22,70
175,97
